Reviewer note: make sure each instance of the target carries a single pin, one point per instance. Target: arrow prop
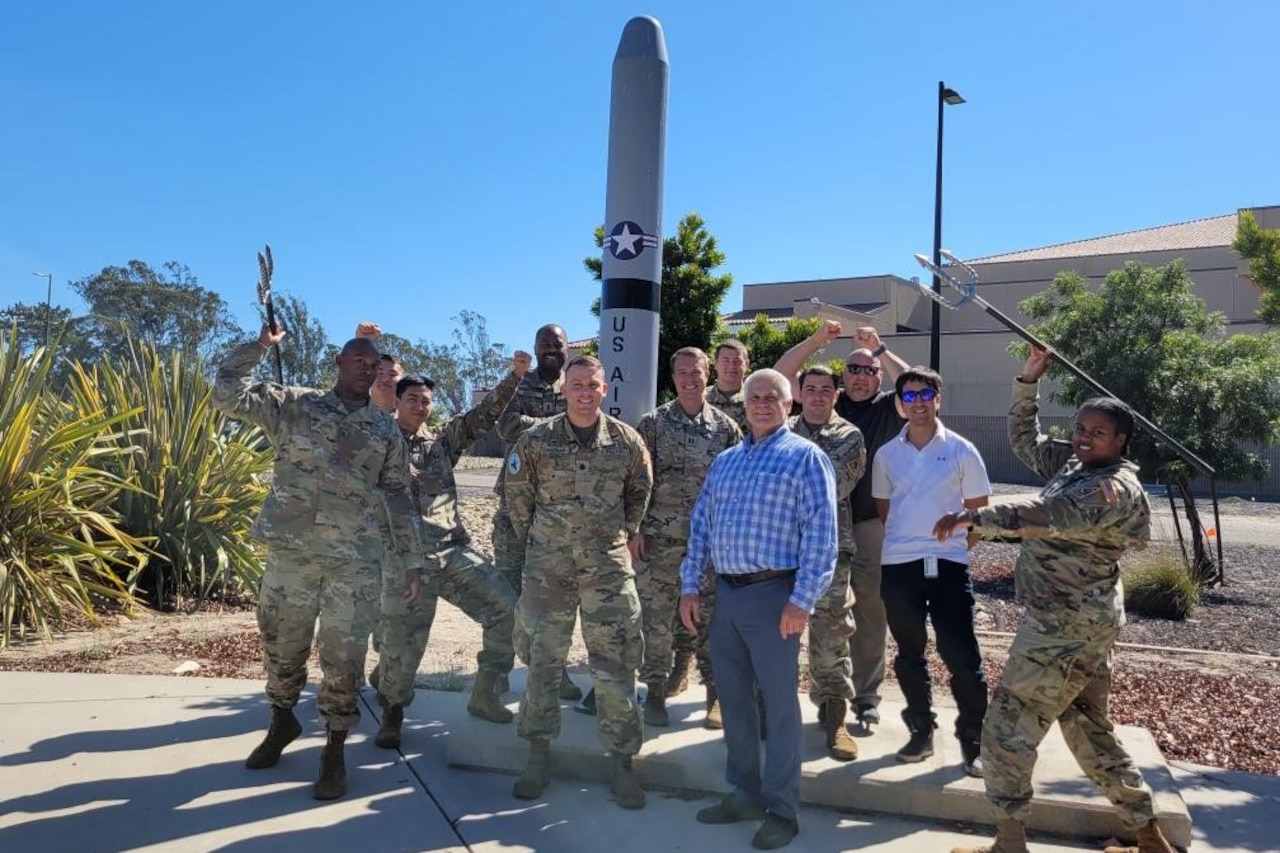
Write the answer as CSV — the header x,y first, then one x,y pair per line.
x,y
266,268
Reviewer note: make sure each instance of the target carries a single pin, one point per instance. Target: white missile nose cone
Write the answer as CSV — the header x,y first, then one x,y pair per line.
x,y
642,38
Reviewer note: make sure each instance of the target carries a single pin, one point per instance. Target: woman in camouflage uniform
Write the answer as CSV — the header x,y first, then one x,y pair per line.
x,y
1068,578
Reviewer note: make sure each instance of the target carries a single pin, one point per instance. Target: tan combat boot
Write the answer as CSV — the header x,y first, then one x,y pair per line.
x,y
1150,840
678,681
333,769
484,701
388,736
840,745
537,774
713,720
1011,837
655,706
284,730
624,785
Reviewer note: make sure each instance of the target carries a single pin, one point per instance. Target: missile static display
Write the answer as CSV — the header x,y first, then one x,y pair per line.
x,y
632,258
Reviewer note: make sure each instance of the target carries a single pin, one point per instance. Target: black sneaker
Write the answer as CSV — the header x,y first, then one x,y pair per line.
x,y
775,832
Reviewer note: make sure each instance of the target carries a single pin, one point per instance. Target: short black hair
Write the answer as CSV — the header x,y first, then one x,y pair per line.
x,y
414,380
919,373
820,370
1118,411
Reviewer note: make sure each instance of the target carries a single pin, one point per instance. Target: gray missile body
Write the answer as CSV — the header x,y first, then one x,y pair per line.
x,y
632,258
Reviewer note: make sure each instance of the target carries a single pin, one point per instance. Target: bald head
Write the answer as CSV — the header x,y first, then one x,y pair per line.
x,y
357,369
551,346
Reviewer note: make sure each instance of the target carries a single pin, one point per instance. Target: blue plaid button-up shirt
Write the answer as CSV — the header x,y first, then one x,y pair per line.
x,y
768,504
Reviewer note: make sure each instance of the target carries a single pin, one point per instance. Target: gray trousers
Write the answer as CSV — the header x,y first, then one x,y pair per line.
x,y
866,646
746,651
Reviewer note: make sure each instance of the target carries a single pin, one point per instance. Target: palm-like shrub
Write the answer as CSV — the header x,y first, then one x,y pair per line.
x,y
199,478
60,547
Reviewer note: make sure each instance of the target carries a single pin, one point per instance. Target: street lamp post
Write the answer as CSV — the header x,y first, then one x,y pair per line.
x,y
48,303
946,97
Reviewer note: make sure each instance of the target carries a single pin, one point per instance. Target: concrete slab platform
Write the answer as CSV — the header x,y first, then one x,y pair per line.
x,y
102,763
687,757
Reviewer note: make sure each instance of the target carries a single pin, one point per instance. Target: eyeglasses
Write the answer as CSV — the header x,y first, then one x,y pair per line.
x,y
925,395
862,369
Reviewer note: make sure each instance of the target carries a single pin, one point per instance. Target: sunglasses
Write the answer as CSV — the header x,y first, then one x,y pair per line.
x,y
926,395
862,369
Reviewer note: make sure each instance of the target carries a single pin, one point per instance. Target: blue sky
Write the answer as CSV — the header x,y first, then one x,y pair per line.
x,y
411,160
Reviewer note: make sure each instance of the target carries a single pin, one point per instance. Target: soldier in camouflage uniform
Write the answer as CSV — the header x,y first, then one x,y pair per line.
x,y
830,668
683,437
455,572
1068,578
538,396
341,477
733,363
576,488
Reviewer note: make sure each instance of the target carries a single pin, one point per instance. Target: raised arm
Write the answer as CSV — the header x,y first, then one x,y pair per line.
x,y
793,360
866,337
465,429
237,396
1039,452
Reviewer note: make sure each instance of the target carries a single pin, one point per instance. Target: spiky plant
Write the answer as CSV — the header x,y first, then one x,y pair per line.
x,y
61,549
199,483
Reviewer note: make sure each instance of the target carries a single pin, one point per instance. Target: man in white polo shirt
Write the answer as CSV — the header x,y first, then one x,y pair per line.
x,y
924,470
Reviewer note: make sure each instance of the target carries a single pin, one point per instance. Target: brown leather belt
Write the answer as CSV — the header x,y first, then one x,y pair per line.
x,y
757,577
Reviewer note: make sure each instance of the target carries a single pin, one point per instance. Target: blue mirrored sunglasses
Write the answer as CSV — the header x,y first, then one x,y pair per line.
x,y
926,395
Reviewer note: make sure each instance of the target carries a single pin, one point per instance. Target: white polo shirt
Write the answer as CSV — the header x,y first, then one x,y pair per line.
x,y
921,487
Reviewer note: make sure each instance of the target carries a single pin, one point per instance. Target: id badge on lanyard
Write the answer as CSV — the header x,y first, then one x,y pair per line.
x,y
930,567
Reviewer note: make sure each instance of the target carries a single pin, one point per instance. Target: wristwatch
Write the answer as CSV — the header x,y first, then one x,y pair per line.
x,y
878,351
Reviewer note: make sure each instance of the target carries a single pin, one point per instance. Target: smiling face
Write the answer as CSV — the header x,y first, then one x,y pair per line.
x,y
413,408
919,403
1095,440
584,391
732,365
689,374
551,346
383,391
768,402
817,397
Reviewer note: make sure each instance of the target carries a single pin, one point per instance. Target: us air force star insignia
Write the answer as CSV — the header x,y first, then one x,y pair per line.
x,y
513,463
627,240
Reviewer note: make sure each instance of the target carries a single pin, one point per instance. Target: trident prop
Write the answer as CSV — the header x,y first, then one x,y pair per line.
x,y
266,267
968,292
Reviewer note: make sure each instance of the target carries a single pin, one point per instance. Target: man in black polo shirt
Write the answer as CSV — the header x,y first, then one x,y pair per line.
x,y
871,410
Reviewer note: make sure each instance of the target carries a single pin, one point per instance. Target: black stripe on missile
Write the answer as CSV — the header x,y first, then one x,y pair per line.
x,y
630,293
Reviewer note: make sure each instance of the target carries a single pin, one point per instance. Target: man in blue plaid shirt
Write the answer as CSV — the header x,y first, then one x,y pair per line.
x,y
766,522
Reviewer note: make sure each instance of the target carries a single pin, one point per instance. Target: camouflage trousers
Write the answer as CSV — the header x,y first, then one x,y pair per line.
x,y
831,626
508,551
658,582
1059,669
467,581
555,588
298,588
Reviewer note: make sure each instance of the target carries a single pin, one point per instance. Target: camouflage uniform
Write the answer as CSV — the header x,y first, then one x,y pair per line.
x,y
734,405
574,508
455,572
535,400
682,449
341,477
1067,577
830,668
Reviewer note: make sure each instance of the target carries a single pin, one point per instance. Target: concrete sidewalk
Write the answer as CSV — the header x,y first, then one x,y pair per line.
x,y
100,764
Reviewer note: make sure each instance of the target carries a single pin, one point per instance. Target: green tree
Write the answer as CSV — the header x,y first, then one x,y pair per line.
x,y
767,344
306,356
30,322
167,308
1151,341
1261,248
481,362
437,362
691,291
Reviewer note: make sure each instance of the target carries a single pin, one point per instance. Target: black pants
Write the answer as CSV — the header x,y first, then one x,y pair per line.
x,y
947,601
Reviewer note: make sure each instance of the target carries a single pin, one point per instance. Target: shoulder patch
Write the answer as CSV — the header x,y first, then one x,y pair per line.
x,y
1109,493
513,463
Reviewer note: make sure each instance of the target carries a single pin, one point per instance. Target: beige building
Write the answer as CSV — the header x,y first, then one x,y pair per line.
x,y
974,360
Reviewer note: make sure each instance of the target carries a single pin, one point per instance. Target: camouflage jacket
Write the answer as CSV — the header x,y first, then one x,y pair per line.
x,y
844,446
681,449
432,455
535,400
564,497
1075,530
734,405
341,477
